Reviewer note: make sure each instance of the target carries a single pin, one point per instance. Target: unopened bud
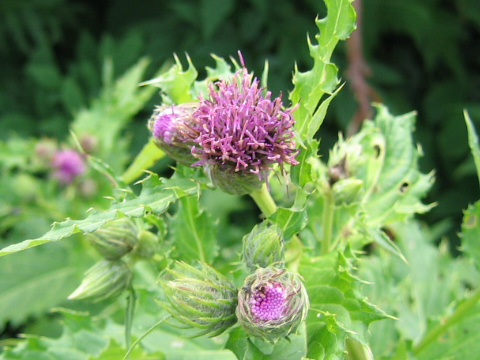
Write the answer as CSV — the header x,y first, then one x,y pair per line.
x,y
105,279
171,127
147,244
346,191
116,238
271,304
263,246
199,298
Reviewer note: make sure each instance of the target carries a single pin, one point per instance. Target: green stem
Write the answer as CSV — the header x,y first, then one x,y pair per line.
x,y
441,328
147,157
264,201
328,210
144,335
129,312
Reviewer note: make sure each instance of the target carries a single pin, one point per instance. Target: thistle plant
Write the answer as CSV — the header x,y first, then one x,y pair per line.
x,y
272,303
289,276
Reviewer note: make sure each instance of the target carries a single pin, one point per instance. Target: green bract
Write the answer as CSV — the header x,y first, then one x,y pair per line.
x,y
199,298
116,238
263,246
105,279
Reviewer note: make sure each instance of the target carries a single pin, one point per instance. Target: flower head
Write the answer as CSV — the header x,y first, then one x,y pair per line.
x,y
172,130
272,303
67,165
241,129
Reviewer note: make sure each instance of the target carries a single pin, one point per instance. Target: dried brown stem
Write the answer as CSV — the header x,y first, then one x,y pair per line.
x,y
356,73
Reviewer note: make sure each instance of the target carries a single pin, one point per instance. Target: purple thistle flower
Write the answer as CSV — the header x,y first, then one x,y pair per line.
x,y
272,303
242,130
67,164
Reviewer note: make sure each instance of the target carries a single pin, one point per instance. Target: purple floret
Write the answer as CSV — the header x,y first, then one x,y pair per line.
x,y
268,302
242,129
67,165
163,128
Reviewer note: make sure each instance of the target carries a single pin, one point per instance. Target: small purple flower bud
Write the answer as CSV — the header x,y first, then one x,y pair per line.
x,y
67,165
241,129
172,130
272,303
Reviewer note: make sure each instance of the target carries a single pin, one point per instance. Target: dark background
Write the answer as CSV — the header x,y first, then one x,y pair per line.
x,y
423,55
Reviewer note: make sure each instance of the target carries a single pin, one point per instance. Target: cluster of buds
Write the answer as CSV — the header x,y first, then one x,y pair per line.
x,y
109,277
270,305
235,134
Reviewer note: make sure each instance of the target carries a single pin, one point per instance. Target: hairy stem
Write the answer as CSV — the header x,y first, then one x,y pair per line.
x,y
441,328
144,335
328,210
129,312
264,201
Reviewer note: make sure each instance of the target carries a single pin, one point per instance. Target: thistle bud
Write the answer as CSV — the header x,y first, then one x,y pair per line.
x,y
346,191
232,182
171,127
105,279
271,304
199,298
147,244
263,246
116,238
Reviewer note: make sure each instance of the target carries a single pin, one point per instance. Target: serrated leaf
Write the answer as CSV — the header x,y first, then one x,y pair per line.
x,y
335,311
194,232
310,86
393,183
176,82
155,199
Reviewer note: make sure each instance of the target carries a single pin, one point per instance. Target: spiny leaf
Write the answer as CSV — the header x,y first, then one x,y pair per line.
x,y
393,183
155,200
310,86
335,311
176,83
470,234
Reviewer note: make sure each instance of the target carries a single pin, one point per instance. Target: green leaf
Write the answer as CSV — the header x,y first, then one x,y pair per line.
x,y
470,234
393,183
473,142
310,86
291,221
151,200
176,83
194,232
31,286
336,312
